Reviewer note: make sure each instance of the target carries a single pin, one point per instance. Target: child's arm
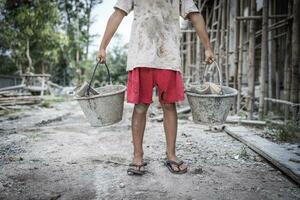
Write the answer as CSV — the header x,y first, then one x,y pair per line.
x,y
112,25
199,24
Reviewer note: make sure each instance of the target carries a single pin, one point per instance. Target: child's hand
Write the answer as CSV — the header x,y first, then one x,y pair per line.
x,y
101,57
209,56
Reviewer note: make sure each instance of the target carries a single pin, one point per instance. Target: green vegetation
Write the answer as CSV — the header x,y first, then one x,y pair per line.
x,y
53,37
288,132
243,152
49,100
116,61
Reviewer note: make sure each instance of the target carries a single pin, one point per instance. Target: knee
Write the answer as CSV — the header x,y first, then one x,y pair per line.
x,y
168,106
141,108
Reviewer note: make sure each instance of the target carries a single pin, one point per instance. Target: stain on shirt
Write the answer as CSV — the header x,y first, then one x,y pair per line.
x,y
155,34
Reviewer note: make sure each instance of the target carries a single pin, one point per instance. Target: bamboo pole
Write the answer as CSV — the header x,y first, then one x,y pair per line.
x,y
283,102
295,57
240,63
217,46
287,67
227,43
251,61
260,17
271,61
236,52
188,54
264,58
232,40
223,39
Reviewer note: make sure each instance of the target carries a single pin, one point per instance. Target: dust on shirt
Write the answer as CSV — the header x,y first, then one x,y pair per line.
x,y
155,34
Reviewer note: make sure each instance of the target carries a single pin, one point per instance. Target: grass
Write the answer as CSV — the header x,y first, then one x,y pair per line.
x,y
49,100
289,132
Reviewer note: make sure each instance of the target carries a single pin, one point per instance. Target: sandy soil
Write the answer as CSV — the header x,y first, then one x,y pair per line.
x,y
53,153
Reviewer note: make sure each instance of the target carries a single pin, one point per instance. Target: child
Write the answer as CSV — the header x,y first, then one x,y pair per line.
x,y
154,60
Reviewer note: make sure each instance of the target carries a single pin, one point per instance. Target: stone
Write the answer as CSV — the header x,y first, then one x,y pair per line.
x,y
1,187
122,185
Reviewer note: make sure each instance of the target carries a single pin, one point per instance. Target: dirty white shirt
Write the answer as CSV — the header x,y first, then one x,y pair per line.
x,y
155,33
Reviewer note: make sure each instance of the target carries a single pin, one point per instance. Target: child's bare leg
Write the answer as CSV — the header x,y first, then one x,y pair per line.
x,y
170,126
138,127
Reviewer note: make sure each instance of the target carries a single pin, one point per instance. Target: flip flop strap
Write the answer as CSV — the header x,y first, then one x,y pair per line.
x,y
136,165
178,164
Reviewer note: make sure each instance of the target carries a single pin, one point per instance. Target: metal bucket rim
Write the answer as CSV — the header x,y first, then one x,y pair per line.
x,y
234,93
103,95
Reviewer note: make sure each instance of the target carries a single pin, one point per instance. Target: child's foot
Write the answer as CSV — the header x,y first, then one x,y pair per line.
x,y
176,165
137,167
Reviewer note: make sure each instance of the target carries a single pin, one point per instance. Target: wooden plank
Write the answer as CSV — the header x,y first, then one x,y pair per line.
x,y
276,154
22,98
248,122
16,87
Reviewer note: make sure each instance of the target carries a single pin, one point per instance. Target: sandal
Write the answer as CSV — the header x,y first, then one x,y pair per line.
x,y
169,164
133,171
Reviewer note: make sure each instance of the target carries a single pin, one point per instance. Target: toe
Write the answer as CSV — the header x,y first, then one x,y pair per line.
x,y
183,167
175,168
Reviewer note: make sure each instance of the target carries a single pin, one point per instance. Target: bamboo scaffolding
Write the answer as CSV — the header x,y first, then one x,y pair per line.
x,y
264,59
283,102
240,62
236,58
260,17
287,68
251,61
295,57
268,42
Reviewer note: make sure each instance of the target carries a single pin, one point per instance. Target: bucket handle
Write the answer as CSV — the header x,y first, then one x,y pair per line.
x,y
209,67
91,81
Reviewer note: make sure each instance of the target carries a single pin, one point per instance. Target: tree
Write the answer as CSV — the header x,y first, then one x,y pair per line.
x,y
116,61
28,33
77,21
45,36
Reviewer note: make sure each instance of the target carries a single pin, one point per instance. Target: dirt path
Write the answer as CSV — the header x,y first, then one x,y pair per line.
x,y
63,157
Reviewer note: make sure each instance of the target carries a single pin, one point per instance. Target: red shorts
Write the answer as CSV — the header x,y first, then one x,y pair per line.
x,y
141,81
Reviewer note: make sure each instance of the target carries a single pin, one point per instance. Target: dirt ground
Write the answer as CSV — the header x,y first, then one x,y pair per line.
x,y
53,153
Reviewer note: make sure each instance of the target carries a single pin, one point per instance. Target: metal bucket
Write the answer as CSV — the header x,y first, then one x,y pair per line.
x,y
211,109
105,108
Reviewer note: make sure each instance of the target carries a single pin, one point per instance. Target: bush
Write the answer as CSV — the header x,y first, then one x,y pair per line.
x,y
288,132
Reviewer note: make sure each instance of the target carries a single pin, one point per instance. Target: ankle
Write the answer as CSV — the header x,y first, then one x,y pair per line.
x,y
171,155
138,154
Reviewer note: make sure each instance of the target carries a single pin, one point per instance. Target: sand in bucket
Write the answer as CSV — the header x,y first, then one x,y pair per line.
x,y
102,106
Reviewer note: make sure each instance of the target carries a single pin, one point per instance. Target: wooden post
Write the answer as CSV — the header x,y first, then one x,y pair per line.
x,y
251,61
295,57
198,58
188,53
264,59
236,53
227,52
271,64
287,66
217,46
240,63
232,38
223,39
